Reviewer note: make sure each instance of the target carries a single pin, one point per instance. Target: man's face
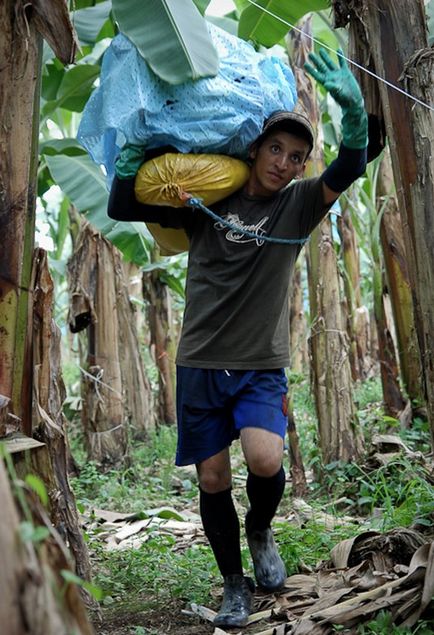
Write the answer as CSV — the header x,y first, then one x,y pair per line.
x,y
278,160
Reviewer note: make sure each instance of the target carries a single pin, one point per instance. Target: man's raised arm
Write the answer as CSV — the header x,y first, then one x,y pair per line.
x,y
343,87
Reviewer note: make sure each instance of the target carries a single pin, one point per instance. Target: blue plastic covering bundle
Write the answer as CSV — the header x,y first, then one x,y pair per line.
x,y
222,114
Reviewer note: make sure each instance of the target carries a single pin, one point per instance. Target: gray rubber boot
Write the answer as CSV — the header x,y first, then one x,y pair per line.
x,y
270,572
237,602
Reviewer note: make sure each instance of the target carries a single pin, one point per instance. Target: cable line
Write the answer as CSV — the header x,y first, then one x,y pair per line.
x,y
347,59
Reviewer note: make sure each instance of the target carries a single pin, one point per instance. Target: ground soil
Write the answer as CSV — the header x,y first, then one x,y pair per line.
x,y
168,620
165,621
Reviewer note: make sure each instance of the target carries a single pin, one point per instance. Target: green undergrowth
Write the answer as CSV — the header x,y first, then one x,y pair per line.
x,y
399,493
154,574
383,625
149,480
304,546
157,572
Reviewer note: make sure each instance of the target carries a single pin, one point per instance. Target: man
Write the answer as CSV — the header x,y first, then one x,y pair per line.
x,y
234,343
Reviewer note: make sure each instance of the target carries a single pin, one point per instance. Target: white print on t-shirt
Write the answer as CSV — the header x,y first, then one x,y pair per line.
x,y
238,237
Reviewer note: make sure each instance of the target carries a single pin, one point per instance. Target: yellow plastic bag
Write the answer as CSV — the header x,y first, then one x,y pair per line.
x,y
210,177
170,240
161,181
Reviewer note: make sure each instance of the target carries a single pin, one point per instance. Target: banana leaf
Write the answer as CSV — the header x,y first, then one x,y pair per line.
x,y
171,35
259,25
89,22
84,184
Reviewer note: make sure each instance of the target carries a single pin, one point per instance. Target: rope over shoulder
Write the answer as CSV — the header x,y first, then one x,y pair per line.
x,y
197,204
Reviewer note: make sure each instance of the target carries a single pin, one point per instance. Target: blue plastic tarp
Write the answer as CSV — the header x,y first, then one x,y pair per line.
x,y
222,114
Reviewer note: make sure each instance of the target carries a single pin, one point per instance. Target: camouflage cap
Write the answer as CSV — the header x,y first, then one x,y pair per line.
x,y
290,121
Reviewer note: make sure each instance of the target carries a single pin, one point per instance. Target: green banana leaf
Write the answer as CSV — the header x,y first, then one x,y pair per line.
x,y
168,513
84,184
52,75
171,36
241,5
202,5
261,27
89,22
66,145
83,4
59,229
73,90
430,16
227,24
325,35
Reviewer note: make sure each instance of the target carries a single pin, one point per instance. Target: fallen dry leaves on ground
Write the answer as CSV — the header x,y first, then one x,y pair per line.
x,y
393,571
373,571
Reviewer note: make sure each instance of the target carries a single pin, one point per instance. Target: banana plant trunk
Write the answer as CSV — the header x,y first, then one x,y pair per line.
x,y
339,434
162,343
299,486
49,423
397,49
297,323
115,389
398,283
31,600
35,598
20,54
357,314
394,402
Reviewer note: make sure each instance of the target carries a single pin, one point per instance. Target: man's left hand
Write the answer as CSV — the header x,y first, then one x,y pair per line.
x,y
338,80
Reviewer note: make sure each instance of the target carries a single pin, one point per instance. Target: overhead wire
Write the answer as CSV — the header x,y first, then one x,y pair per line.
x,y
347,59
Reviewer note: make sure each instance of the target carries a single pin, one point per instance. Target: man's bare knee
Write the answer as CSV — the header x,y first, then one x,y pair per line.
x,y
263,451
215,473
214,482
264,465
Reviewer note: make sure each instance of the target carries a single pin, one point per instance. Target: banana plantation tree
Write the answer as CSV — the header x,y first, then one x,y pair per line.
x,y
97,271
297,323
393,399
339,435
28,382
100,304
398,282
159,308
376,215
357,313
37,595
397,49
21,27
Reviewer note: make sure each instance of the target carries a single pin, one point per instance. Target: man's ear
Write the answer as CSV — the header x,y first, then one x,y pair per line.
x,y
253,151
300,175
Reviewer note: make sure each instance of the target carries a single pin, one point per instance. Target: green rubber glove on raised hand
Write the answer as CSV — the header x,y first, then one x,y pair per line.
x,y
129,161
343,87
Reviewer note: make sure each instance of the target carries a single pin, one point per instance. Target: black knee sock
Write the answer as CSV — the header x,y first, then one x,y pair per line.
x,y
264,495
222,528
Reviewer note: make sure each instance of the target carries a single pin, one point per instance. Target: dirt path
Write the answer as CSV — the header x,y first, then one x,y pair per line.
x,y
166,621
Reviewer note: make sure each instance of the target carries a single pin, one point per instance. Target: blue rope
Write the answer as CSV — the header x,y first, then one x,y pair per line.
x,y
197,203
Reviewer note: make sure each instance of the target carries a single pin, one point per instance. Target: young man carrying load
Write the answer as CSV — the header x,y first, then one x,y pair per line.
x,y
234,342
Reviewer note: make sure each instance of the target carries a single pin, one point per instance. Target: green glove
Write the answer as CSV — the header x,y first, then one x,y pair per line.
x,y
343,87
129,161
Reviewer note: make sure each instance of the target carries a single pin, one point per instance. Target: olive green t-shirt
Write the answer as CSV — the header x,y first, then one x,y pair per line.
x,y
236,314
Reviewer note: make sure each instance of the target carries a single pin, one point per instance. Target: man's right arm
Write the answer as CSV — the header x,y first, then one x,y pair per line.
x,y
124,206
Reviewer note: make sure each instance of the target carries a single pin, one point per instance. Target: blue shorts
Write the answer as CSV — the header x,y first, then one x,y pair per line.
x,y
214,405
